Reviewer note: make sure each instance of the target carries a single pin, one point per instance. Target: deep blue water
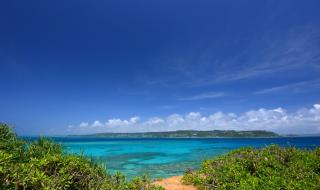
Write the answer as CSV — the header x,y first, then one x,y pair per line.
x,y
167,157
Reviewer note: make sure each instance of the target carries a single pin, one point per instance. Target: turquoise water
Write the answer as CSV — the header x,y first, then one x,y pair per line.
x,y
160,158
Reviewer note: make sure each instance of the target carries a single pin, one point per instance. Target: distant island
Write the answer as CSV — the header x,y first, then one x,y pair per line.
x,y
187,134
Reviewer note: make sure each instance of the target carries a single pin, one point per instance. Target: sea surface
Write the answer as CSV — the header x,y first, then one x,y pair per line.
x,y
160,158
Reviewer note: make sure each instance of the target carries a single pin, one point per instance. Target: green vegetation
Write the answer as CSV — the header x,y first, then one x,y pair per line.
x,y
189,134
268,168
43,165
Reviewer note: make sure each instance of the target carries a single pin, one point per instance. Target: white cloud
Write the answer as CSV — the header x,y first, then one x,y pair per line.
x,y
154,121
116,122
302,121
193,116
317,106
174,120
300,87
119,122
208,95
268,54
97,124
83,124
134,119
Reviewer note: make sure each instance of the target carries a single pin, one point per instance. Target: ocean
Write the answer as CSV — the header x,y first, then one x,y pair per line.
x,y
161,158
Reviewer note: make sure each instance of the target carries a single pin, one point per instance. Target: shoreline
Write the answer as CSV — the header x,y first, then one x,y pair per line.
x,y
173,183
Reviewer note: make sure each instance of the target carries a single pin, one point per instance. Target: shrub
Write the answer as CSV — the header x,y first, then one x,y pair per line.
x,y
42,164
268,168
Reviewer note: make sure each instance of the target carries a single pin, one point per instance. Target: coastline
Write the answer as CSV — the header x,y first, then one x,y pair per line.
x,y
173,183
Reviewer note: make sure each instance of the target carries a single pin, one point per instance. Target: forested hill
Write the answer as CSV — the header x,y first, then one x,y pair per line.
x,y
188,134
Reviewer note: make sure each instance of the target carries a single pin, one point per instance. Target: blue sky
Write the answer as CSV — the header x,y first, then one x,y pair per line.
x,y
118,65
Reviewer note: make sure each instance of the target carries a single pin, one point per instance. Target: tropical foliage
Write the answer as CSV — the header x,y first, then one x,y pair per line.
x,y
42,164
268,168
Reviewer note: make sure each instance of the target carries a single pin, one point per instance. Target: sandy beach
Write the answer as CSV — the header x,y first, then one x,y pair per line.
x,y
173,183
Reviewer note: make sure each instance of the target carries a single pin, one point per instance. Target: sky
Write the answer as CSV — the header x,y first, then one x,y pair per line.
x,y
80,66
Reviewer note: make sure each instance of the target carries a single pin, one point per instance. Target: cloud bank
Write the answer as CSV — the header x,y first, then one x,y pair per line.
x,y
302,121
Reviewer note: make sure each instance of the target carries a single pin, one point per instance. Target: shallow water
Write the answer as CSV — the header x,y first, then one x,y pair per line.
x,y
160,158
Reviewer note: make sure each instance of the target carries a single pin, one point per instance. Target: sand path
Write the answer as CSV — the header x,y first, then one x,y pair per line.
x,y
173,183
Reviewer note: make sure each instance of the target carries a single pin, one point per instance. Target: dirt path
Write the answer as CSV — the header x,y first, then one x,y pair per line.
x,y
173,183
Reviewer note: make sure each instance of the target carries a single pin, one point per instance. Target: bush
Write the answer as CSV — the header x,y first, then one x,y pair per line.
x,y
268,168
43,165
